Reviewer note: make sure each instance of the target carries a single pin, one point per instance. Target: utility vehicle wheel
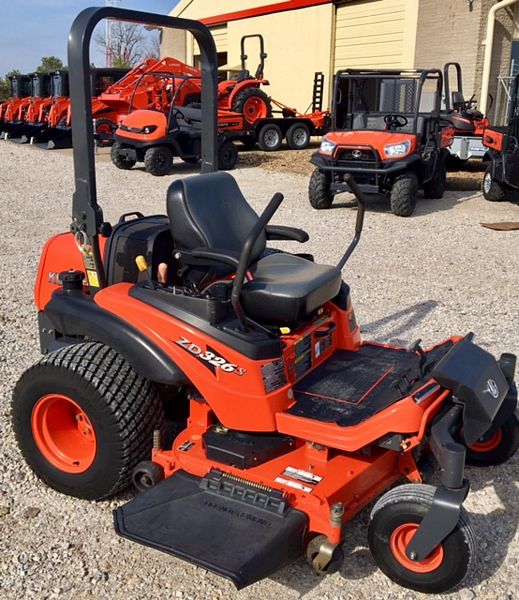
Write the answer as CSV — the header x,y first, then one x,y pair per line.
x,y
83,419
104,130
435,188
158,160
319,190
493,190
253,104
393,522
496,446
227,156
403,195
118,159
190,160
270,138
298,136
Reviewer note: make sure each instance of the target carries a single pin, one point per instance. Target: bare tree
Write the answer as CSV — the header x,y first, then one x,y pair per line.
x,y
127,44
153,48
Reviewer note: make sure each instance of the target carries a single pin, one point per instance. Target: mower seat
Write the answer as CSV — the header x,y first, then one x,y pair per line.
x,y
210,212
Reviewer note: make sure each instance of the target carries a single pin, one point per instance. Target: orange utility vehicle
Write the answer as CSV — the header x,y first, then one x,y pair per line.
x,y
469,123
387,132
501,180
237,373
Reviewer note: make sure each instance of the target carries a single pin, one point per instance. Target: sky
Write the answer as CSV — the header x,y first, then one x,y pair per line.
x,y
30,29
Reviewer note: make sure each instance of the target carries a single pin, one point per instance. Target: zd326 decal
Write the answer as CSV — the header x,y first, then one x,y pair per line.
x,y
209,358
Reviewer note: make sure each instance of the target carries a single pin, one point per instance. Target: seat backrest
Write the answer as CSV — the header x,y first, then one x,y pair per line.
x,y
209,211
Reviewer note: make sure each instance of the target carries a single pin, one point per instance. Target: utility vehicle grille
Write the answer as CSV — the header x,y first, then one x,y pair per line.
x,y
365,158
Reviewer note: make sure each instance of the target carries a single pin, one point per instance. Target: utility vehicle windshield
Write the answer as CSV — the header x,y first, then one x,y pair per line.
x,y
368,101
35,86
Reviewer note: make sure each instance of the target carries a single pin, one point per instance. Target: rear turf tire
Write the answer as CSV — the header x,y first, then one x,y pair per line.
x,y
447,565
497,446
120,161
403,195
319,190
158,160
493,190
122,408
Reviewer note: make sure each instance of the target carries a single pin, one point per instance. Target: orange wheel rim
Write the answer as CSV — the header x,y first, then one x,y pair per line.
x,y
104,129
63,433
487,444
400,539
254,109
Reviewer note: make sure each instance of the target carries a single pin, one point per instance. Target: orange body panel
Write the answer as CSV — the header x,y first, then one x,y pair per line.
x,y
371,139
494,139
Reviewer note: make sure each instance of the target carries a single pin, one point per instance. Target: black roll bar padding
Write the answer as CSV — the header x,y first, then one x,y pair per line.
x,y
359,223
446,70
243,263
262,54
86,212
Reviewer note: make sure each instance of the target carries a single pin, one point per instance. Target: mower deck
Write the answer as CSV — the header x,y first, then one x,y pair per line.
x,y
238,531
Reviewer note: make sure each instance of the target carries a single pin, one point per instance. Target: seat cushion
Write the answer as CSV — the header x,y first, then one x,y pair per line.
x,y
287,288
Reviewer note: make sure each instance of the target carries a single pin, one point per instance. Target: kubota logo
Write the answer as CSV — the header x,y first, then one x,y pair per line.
x,y
356,153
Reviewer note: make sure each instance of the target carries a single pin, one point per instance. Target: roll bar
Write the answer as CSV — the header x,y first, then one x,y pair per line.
x,y
87,215
262,54
459,82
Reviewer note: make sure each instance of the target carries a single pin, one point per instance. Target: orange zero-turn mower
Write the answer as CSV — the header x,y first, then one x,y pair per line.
x,y
387,132
229,381
156,137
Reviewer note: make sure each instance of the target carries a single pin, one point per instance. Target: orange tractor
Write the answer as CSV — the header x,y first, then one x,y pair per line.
x,y
282,424
20,89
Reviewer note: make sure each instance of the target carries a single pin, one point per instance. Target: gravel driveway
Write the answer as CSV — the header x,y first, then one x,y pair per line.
x,y
430,276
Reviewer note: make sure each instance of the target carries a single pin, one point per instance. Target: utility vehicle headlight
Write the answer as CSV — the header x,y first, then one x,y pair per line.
x,y
327,147
149,129
397,149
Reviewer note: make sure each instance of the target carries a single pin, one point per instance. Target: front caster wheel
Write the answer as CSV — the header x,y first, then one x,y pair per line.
x,y
146,475
496,446
323,557
393,523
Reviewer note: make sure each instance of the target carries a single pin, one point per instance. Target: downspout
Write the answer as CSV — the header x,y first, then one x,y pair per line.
x,y
489,42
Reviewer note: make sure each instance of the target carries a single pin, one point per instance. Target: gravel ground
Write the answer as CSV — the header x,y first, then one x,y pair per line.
x,y
430,276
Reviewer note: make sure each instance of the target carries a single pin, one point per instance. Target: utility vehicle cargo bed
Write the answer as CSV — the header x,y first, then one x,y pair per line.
x,y
350,387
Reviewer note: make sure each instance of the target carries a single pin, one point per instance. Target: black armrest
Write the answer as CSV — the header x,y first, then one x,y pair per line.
x,y
281,232
208,256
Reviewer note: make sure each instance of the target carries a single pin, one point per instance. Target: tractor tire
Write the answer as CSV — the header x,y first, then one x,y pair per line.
x,y
83,419
403,195
104,128
319,190
298,136
270,138
253,104
493,190
435,188
393,521
227,156
497,446
120,161
158,160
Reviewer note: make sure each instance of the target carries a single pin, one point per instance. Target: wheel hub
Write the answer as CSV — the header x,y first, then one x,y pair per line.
x,y
63,433
400,539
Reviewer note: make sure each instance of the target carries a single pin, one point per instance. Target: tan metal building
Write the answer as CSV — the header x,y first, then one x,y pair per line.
x,y
305,36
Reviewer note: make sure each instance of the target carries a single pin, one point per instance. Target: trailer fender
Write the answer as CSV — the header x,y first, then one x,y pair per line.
x,y
75,317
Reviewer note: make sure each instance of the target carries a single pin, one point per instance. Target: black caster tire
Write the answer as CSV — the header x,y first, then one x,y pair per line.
x,y
83,419
146,475
312,550
393,522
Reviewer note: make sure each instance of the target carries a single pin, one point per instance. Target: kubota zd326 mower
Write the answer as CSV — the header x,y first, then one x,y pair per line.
x,y
387,133
287,424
